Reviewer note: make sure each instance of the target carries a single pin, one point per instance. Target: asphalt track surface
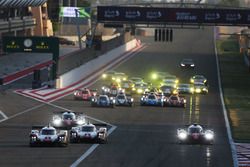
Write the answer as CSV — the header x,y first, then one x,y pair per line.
x,y
145,136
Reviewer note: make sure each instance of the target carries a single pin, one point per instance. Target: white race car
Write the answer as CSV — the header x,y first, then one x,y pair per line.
x,y
122,100
195,134
88,133
67,119
48,136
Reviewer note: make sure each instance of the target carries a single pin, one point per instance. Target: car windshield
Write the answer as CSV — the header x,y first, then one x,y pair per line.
x,y
87,128
174,98
199,77
188,60
151,97
48,132
85,92
166,87
121,97
68,116
136,79
194,130
103,98
183,86
169,77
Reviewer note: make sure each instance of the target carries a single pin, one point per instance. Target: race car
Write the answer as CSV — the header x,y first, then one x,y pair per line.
x,y
200,88
47,136
195,134
185,89
198,79
168,90
152,99
141,87
67,119
159,75
84,94
128,86
136,80
108,75
119,76
176,101
102,101
187,63
88,133
122,100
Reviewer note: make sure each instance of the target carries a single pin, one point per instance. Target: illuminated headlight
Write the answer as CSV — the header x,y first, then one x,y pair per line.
x,y
33,138
182,65
209,135
192,80
139,91
104,75
175,92
205,81
142,99
133,89
132,99
118,80
57,121
198,90
184,101
192,90
113,78
154,76
177,81
61,138
75,93
204,89
93,100
182,135
192,65
124,79
80,121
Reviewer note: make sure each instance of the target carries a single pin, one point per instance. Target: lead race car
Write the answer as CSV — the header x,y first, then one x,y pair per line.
x,y
88,133
67,119
195,134
48,136
152,99
123,100
103,101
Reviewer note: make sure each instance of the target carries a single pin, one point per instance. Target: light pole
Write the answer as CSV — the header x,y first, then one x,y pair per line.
x,y
78,29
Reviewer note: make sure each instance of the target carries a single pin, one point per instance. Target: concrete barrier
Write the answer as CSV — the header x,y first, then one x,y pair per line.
x,y
86,69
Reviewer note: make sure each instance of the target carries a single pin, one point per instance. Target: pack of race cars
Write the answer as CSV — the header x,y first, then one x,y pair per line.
x,y
163,90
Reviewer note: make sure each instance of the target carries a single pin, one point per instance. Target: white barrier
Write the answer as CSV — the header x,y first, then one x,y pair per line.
x,y
79,73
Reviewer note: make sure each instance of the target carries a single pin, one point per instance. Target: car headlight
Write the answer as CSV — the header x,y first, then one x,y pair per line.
x,y
192,65
57,121
192,80
182,135
192,90
205,81
118,80
182,65
204,89
142,99
113,78
80,121
198,90
139,91
124,79
132,99
209,135
104,75
133,89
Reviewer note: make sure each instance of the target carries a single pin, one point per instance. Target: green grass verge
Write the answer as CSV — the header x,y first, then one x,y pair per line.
x,y
235,84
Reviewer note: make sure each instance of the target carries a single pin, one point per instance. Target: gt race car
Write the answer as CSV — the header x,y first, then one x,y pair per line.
x,y
200,88
84,94
195,134
123,100
198,79
103,101
176,101
152,100
47,136
185,89
67,119
187,63
88,133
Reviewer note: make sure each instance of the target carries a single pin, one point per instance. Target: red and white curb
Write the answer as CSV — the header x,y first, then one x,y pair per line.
x,y
243,154
49,95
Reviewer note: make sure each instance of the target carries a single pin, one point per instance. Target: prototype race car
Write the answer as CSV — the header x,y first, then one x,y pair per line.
x,y
122,100
119,76
108,75
84,94
68,119
168,90
187,63
152,99
136,80
185,89
88,133
195,134
176,101
103,101
198,79
47,136
141,87
200,88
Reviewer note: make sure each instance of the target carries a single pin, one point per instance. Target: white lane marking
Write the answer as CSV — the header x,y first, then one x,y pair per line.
x,y
89,151
20,113
229,134
3,115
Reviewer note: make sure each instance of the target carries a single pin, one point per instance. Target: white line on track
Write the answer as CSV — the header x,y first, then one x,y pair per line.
x,y
229,134
3,115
